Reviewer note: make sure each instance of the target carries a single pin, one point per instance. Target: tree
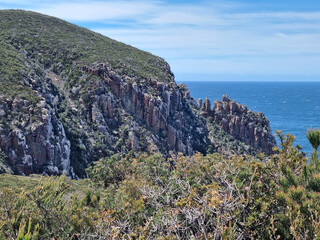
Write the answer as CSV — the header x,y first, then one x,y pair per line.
x,y
314,139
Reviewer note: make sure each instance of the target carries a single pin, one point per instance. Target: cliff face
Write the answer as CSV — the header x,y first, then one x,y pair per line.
x,y
67,102
115,115
33,145
158,106
251,128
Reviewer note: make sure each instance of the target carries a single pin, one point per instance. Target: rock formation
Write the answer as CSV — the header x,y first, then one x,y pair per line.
x,y
249,127
34,145
67,102
165,113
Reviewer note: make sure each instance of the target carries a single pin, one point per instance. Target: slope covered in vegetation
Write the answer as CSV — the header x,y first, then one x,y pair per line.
x,y
196,197
51,41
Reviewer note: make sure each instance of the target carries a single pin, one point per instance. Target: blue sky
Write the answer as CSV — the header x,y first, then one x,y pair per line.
x,y
206,40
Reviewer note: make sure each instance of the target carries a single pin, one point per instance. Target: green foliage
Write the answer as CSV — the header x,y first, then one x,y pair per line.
x,y
143,196
43,208
24,234
32,39
298,195
3,165
164,194
314,139
277,197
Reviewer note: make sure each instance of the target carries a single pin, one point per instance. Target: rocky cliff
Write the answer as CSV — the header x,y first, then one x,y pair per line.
x,y
251,128
69,96
232,127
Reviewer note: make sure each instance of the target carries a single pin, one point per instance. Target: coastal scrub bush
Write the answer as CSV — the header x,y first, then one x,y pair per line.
x,y
142,196
314,139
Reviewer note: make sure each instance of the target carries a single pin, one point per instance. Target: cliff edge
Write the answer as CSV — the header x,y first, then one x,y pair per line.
x,y
69,96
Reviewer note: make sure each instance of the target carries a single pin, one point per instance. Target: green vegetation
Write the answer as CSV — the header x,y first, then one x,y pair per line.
x,y
3,163
18,183
31,42
314,139
33,46
150,197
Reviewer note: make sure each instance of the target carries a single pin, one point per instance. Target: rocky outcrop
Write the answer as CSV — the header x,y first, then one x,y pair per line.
x,y
65,104
67,129
35,141
160,106
249,127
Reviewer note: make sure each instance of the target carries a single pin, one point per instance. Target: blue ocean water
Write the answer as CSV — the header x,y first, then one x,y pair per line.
x,y
292,107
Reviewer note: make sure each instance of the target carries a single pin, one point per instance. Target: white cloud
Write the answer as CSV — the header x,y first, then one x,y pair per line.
x,y
217,42
279,15
14,1
97,10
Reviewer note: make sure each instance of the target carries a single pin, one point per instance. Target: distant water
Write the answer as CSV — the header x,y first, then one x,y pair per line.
x,y
292,107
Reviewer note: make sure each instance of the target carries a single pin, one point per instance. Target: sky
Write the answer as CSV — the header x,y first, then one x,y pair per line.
x,y
206,40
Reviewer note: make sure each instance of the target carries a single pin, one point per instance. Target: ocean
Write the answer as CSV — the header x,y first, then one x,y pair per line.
x,y
292,107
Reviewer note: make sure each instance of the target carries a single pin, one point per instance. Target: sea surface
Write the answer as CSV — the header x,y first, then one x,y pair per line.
x,y
292,107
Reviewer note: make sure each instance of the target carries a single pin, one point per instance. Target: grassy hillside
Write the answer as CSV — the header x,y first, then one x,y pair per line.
x,y
31,40
17,183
